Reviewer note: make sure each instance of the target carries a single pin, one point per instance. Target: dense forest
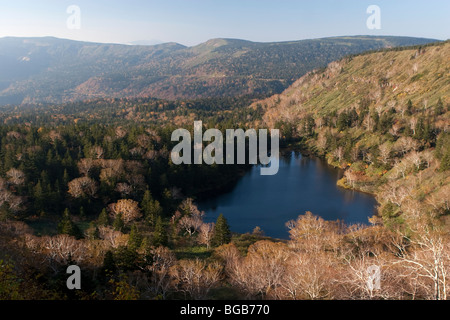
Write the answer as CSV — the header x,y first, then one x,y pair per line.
x,y
231,112
105,185
91,183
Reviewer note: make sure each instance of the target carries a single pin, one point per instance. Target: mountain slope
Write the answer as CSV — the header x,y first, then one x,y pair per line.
x,y
383,80
54,70
383,117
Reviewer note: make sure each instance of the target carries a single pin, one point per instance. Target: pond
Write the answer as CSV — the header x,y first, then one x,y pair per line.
x,y
301,184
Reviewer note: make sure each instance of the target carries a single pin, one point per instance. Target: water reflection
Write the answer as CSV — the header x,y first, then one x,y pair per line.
x,y
301,184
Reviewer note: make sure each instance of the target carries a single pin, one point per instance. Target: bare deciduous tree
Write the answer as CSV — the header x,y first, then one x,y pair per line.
x,y
427,258
413,124
322,141
54,135
124,188
352,177
59,249
188,207
428,157
261,273
385,153
311,233
230,256
85,165
160,279
357,279
112,237
308,276
120,132
355,153
150,155
396,193
83,186
195,278
206,234
396,127
15,135
191,223
415,158
368,123
128,208
406,144
401,168
440,199
115,168
15,203
338,154
319,122
15,176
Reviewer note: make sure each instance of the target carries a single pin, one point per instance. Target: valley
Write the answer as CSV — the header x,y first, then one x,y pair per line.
x,y
52,70
86,176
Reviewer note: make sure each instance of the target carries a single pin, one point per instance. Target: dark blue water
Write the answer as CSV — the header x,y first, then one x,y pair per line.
x,y
301,184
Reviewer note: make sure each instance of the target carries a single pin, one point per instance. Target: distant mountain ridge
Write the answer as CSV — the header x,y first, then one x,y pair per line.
x,y
52,70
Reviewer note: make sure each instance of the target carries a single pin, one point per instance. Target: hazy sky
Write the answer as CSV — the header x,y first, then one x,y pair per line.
x,y
194,21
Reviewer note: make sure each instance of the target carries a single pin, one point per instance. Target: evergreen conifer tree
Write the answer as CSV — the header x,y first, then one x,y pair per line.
x,y
103,218
67,226
118,223
135,239
160,234
222,233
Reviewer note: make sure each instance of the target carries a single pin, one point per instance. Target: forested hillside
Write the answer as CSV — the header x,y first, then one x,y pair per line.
x,y
36,70
105,197
229,112
91,183
384,117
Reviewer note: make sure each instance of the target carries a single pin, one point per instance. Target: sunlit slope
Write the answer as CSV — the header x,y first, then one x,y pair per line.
x,y
383,117
383,80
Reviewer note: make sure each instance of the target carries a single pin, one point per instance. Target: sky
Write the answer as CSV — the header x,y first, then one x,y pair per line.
x,y
191,22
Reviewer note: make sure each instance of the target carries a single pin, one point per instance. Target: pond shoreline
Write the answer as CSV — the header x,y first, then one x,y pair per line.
x,y
304,183
305,152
